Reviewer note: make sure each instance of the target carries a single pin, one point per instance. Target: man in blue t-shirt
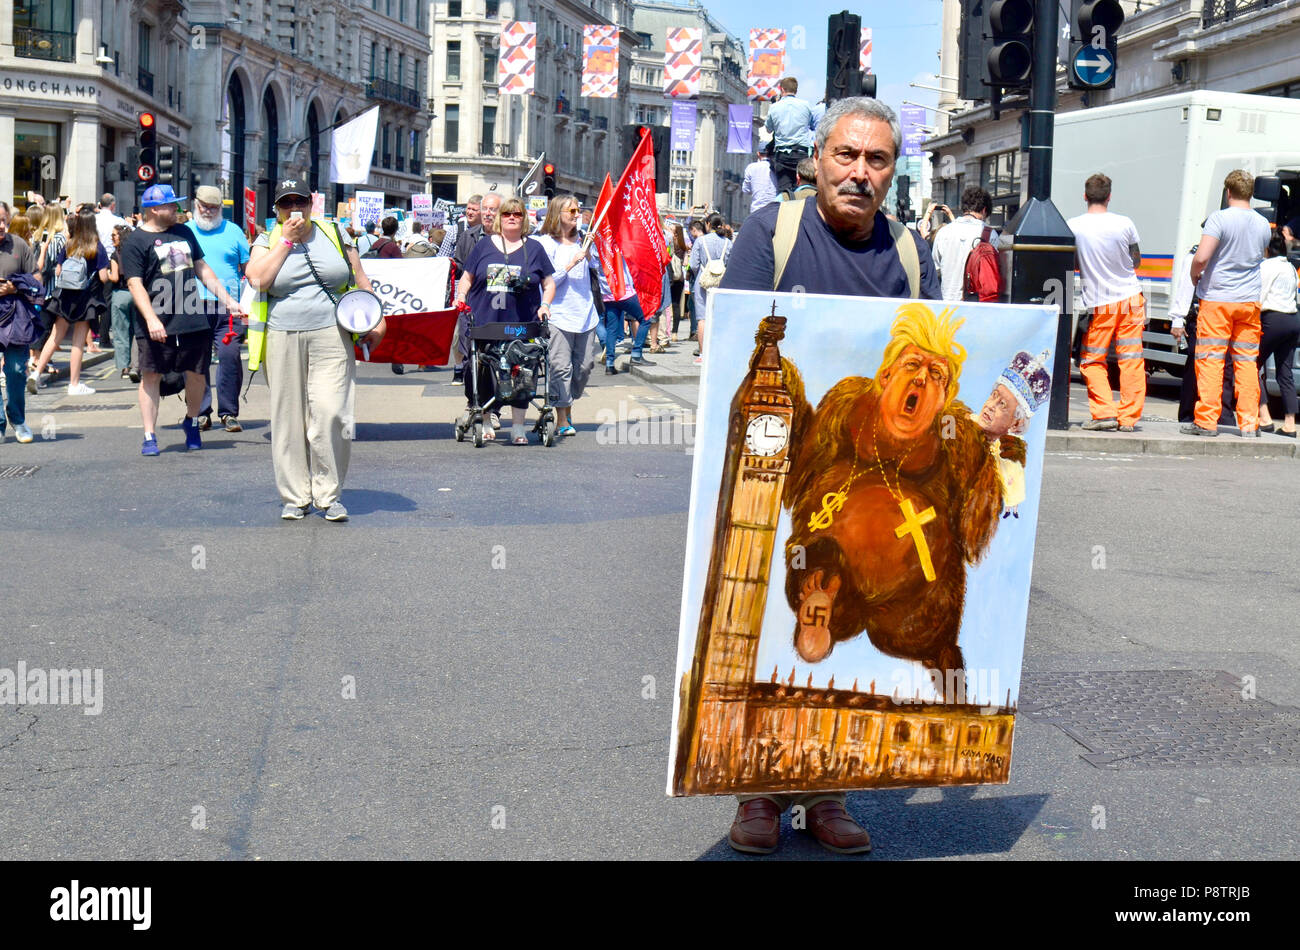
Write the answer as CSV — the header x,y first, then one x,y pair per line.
x,y
844,246
226,250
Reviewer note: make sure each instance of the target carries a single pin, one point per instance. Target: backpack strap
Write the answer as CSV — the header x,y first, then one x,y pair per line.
x,y
785,235
344,251
907,254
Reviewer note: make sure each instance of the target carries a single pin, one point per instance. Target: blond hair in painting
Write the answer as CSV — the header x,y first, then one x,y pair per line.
x,y
916,325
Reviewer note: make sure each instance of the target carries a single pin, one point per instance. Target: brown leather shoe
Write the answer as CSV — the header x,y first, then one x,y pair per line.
x,y
757,828
835,829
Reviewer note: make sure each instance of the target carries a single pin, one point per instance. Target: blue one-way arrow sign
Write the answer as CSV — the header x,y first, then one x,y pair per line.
x,y
1093,65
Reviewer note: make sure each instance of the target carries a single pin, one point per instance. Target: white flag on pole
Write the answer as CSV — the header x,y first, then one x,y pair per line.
x,y
353,145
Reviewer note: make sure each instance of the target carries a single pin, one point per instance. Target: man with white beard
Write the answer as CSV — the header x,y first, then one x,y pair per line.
x,y
226,250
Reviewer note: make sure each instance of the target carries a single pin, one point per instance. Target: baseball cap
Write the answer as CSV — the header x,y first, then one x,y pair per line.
x,y
156,195
291,186
208,194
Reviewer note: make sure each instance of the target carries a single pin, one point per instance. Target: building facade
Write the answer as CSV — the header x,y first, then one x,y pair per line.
x,y
481,139
245,90
707,178
270,84
74,77
1246,46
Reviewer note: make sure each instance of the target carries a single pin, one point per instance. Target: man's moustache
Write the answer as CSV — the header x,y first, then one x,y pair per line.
x,y
856,188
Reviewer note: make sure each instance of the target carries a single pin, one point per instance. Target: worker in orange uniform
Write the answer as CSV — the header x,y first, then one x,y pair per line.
x,y
1106,249
1226,271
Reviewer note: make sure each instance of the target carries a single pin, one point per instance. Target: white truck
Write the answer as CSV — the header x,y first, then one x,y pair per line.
x,y
1167,158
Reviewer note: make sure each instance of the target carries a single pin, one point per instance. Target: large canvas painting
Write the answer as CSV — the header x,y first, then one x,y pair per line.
x,y
861,536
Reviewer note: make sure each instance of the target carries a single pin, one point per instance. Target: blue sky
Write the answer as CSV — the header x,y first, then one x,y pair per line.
x,y
905,41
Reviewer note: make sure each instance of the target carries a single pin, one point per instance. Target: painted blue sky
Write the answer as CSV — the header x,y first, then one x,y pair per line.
x,y
830,338
905,41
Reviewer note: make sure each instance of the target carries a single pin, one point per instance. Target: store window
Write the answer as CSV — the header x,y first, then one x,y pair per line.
x,y
37,159
1000,177
453,59
451,130
681,193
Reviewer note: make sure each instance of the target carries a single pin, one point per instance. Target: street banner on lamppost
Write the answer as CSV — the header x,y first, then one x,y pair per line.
x,y
517,64
600,62
766,61
682,61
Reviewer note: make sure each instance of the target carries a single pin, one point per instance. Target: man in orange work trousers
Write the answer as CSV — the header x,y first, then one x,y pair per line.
x,y
1106,250
1226,272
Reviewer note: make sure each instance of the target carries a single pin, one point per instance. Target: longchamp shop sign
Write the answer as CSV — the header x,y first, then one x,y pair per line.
x,y
44,86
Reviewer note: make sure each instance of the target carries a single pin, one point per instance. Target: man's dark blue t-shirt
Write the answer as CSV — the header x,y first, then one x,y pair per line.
x,y
822,263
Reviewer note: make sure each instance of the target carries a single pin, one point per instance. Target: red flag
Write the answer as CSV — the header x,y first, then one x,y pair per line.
x,y
637,228
611,261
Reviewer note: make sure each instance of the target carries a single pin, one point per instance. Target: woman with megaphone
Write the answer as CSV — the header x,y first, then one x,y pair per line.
x,y
300,270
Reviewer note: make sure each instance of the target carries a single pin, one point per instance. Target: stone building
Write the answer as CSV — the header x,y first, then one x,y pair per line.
x,y
74,77
268,83
480,138
708,177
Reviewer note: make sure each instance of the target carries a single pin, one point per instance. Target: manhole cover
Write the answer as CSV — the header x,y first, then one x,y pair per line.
x,y
88,407
1164,719
18,471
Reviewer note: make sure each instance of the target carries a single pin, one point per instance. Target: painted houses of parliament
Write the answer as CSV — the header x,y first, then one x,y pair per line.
x,y
737,734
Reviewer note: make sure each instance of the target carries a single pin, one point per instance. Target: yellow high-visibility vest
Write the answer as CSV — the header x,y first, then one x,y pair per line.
x,y
257,318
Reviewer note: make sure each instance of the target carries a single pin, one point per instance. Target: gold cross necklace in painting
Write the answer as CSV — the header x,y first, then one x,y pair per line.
x,y
833,502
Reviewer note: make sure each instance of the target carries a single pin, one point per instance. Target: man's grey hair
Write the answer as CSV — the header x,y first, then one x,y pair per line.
x,y
474,199
859,106
107,200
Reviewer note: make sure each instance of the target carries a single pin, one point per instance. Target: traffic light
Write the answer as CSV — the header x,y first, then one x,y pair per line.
x,y
658,144
1009,31
548,180
844,77
904,192
167,164
971,52
146,169
1094,50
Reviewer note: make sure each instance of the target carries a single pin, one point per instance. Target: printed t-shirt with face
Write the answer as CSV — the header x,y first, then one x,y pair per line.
x,y
295,301
490,296
164,261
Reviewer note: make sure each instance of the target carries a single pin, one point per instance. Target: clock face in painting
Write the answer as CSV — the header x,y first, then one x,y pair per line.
x,y
766,435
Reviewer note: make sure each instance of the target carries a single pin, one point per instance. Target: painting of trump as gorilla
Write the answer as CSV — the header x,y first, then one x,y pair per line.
x,y
893,492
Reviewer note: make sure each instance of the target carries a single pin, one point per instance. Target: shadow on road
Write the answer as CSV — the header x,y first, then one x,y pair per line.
x,y
404,431
956,826
364,501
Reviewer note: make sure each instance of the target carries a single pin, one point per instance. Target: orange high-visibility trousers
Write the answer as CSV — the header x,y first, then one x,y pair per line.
x,y
1227,330
1123,320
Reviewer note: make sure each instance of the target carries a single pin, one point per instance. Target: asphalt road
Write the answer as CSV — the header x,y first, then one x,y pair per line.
x,y
501,711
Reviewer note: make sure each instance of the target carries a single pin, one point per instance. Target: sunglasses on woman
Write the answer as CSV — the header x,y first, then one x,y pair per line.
x,y
512,214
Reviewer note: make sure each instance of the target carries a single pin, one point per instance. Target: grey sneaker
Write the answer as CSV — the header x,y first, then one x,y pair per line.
x,y
1192,428
293,513
1101,425
336,512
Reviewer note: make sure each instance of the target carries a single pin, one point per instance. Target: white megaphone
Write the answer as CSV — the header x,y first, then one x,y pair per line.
x,y
359,311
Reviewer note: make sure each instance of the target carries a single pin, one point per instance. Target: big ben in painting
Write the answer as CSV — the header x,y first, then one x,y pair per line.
x,y
735,596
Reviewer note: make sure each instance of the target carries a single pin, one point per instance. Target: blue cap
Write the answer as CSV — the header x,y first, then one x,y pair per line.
x,y
156,195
